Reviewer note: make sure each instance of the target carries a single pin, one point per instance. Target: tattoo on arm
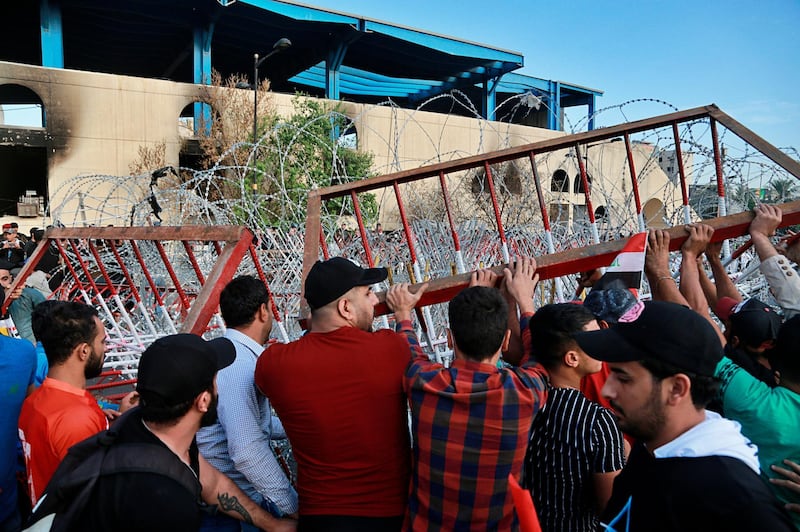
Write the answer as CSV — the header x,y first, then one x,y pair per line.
x,y
229,503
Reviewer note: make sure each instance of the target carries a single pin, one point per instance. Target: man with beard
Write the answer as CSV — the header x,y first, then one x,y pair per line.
x,y
690,468
177,395
339,392
60,413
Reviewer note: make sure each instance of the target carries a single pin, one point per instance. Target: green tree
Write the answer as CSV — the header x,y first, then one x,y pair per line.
x,y
303,152
783,189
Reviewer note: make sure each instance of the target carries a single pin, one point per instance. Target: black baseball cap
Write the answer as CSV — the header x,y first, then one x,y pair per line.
x,y
331,279
668,332
176,368
753,321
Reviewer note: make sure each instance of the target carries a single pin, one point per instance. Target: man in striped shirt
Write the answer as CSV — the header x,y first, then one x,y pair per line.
x,y
470,422
576,448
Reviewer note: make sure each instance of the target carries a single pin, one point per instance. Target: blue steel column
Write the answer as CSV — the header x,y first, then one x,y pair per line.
x,y
52,34
333,63
591,111
489,100
554,116
202,74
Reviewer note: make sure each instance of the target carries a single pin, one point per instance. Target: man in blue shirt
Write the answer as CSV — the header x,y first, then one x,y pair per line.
x,y
238,444
17,365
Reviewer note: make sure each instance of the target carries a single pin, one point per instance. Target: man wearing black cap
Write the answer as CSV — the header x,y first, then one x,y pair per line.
x,y
690,469
339,392
177,394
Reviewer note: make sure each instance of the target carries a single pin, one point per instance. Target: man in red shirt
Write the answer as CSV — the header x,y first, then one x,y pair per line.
x,y
60,413
339,392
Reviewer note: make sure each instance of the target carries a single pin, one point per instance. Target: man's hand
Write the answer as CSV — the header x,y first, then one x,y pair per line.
x,y
767,220
656,257
791,482
402,301
588,278
484,277
520,279
699,237
128,402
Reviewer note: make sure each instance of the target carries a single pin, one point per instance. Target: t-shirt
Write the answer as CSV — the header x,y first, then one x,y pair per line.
x,y
54,418
340,397
572,438
770,418
135,502
17,365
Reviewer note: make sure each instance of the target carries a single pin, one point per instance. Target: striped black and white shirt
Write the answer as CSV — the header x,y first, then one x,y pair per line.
x,y
571,439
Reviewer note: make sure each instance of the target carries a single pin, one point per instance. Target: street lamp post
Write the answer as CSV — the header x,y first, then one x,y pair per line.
x,y
279,46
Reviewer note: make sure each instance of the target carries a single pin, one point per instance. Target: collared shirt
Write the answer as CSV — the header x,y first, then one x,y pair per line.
x,y
470,426
238,444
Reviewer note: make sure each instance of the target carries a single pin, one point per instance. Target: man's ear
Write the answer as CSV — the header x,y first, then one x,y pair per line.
x,y
343,307
679,388
506,341
203,401
449,338
571,359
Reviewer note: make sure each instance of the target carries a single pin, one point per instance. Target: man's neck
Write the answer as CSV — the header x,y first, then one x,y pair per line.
x,y
565,379
253,332
71,375
675,427
177,437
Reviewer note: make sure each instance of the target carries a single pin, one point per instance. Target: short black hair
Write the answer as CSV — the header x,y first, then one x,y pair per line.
x,y
63,325
240,300
40,317
168,414
703,388
784,357
552,329
478,321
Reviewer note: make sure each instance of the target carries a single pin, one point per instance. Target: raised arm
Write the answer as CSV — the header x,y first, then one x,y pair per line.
x,y
519,281
724,287
692,249
663,286
778,271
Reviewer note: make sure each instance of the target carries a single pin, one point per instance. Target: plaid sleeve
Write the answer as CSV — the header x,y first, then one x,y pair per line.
x,y
419,360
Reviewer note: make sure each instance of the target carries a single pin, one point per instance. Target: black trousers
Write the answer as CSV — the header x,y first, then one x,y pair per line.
x,y
348,523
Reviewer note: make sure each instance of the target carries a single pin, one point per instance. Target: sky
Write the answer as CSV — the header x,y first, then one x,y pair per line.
x,y
742,56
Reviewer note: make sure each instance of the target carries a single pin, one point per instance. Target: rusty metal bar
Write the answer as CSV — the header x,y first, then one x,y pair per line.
x,y
272,306
500,230
406,228
193,260
682,174
722,209
634,182
587,192
207,300
171,271
362,230
460,268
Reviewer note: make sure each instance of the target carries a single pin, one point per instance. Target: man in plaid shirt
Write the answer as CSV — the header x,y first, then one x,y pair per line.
x,y
471,421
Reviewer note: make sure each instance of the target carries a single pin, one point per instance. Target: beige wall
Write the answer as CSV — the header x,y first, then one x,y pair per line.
x,y
98,122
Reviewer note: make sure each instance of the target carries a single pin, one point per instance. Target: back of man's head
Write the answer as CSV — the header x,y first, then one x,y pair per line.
x,y
552,329
241,299
62,326
609,304
478,321
785,357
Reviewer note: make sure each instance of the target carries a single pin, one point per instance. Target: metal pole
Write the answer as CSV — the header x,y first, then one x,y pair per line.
x,y
255,97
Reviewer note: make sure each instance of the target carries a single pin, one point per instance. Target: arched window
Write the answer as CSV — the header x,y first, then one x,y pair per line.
x,y
560,181
578,187
600,213
348,135
20,106
195,119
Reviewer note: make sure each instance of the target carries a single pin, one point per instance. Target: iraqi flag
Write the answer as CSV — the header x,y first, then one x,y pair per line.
x,y
626,269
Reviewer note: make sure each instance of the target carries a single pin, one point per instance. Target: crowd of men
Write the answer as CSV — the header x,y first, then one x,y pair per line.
x,y
611,413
